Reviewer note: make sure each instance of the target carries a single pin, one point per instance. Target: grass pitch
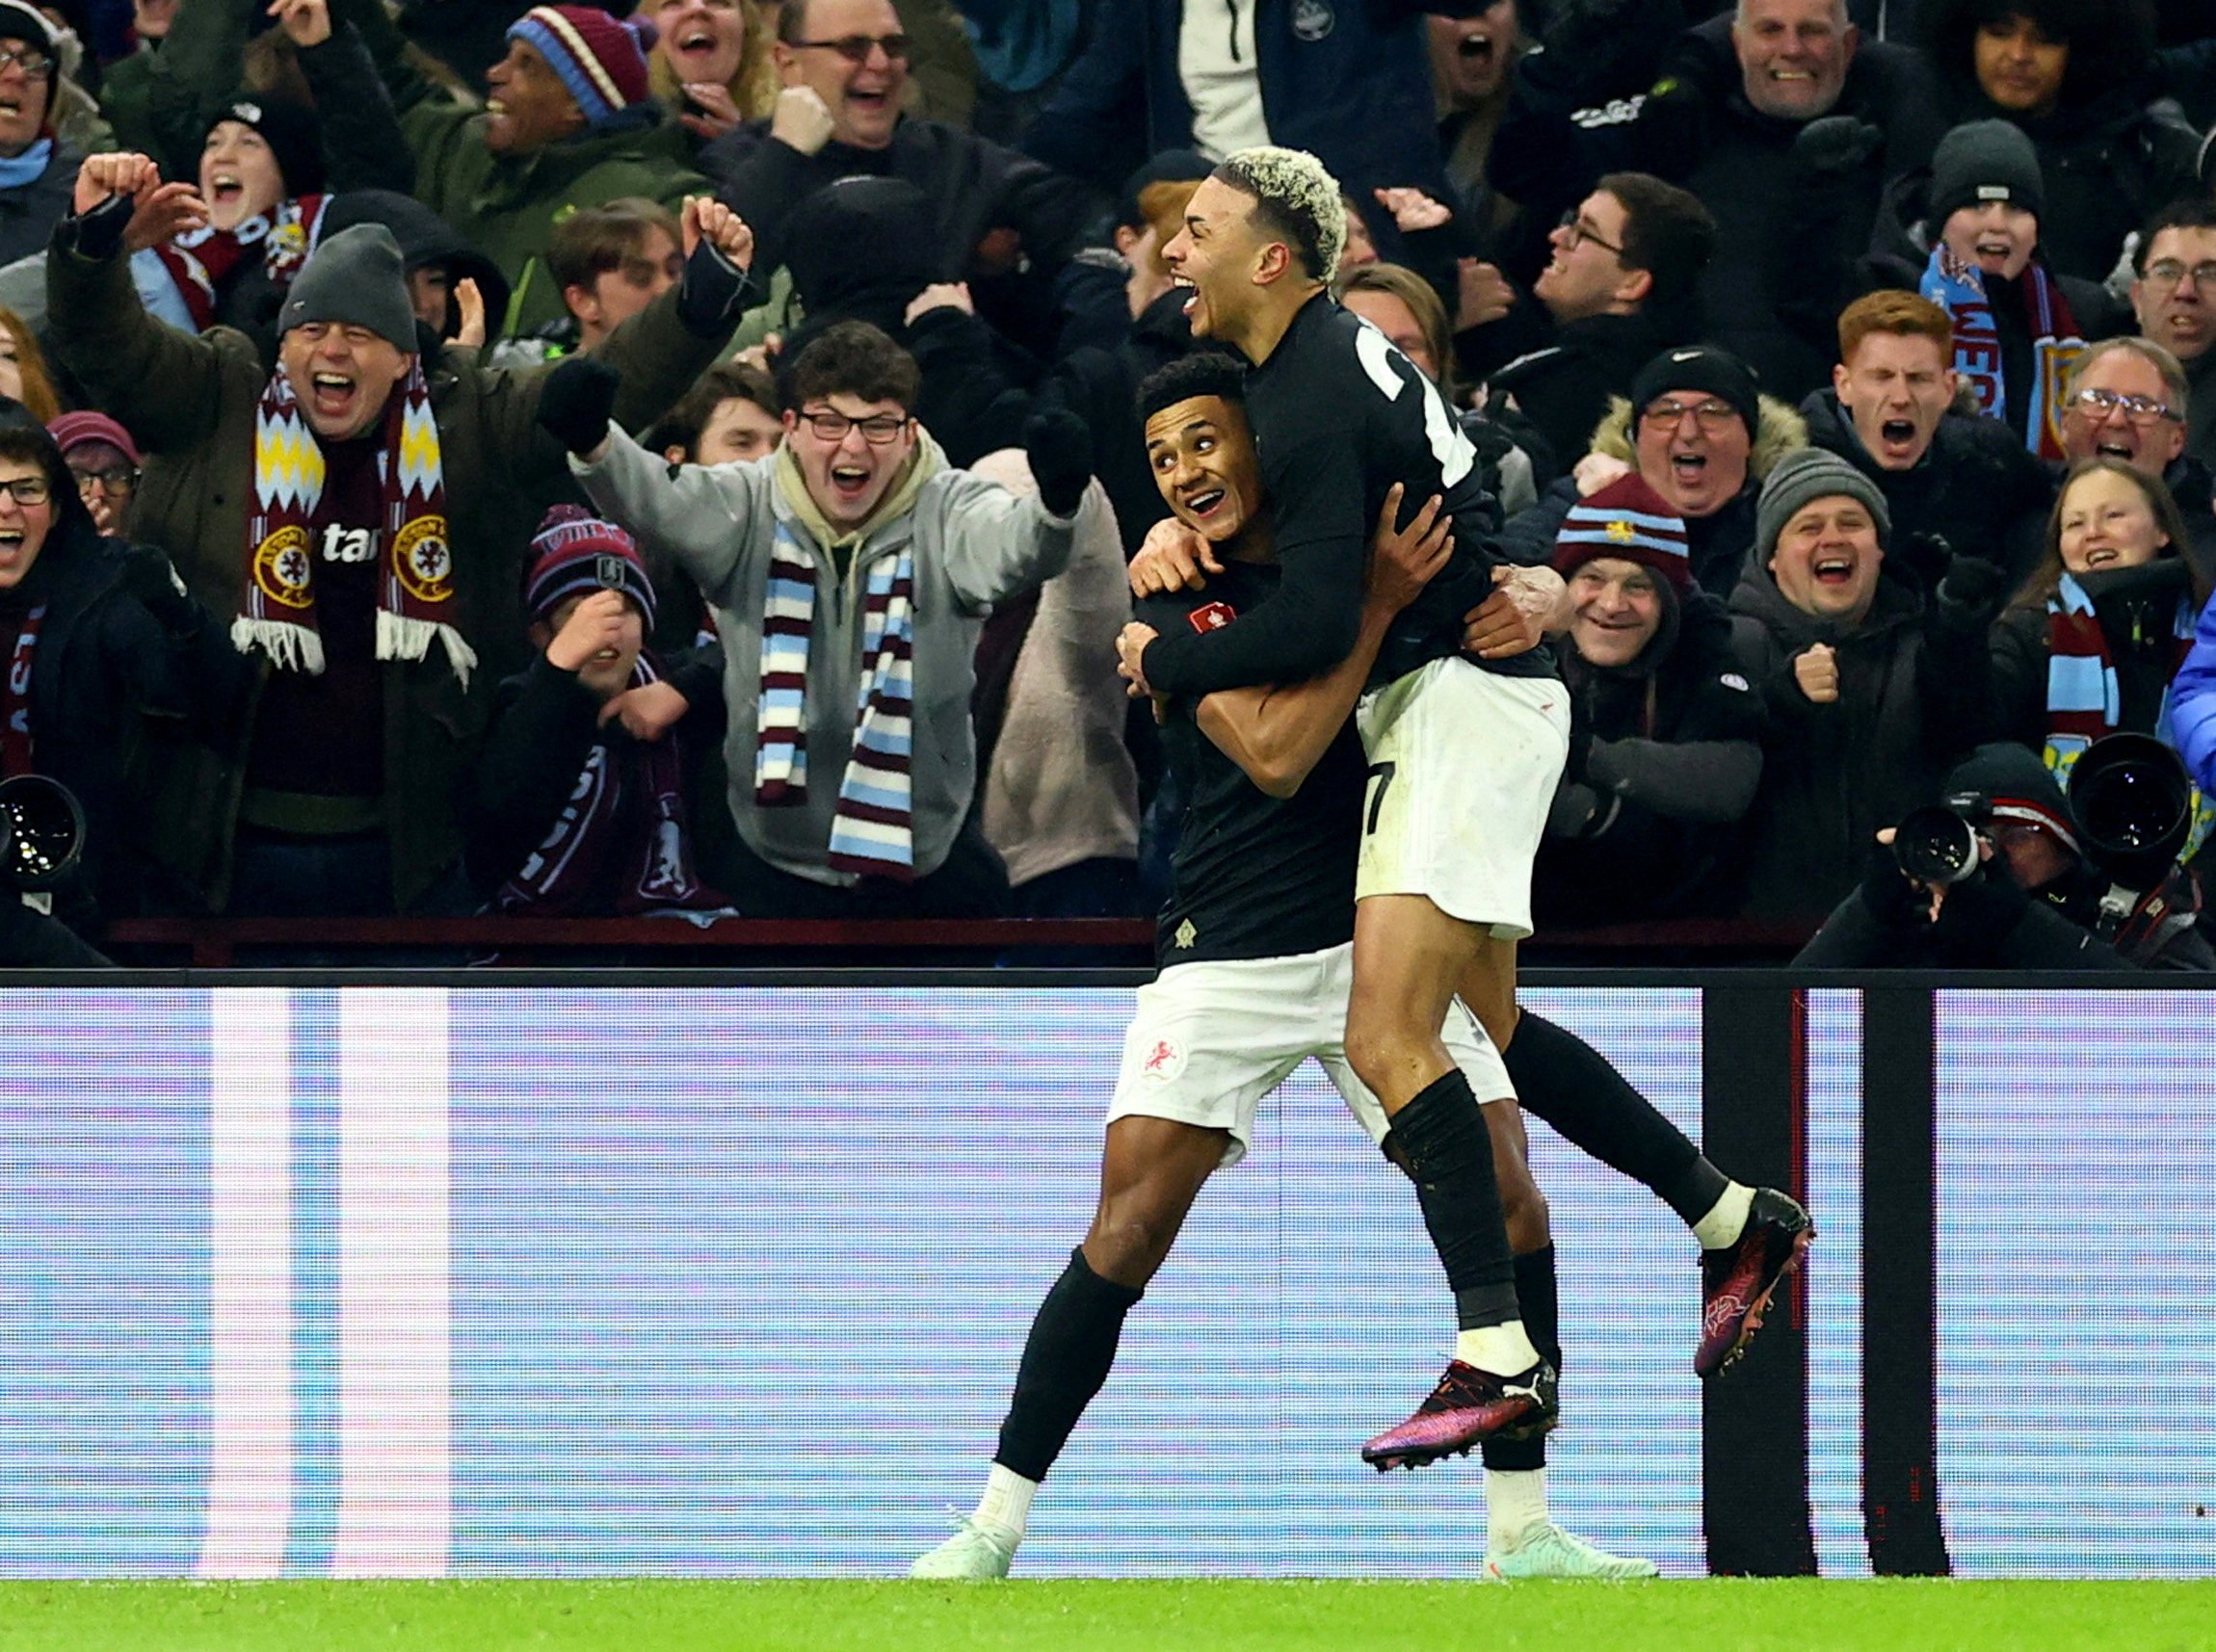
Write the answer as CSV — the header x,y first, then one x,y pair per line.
x,y
658,1616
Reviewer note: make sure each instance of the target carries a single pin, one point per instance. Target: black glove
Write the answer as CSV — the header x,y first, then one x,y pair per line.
x,y
1981,911
1060,448
98,234
710,293
150,576
1892,900
1838,144
1968,592
575,402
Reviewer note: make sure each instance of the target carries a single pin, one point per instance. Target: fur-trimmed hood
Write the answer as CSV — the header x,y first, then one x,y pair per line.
x,y
1783,430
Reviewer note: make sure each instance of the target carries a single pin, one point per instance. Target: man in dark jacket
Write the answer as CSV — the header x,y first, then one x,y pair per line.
x,y
1752,112
1665,746
1618,287
1872,692
1949,478
360,498
839,116
2032,904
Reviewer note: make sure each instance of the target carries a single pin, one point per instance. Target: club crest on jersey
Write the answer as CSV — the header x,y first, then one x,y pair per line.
x,y
281,568
1212,617
1165,1059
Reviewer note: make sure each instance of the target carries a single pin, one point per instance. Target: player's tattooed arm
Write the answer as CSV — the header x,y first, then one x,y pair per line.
x,y
1279,734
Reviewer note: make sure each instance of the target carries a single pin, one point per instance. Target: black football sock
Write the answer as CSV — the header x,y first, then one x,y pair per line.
x,y
1066,1359
1450,1158
1565,1081
1537,1297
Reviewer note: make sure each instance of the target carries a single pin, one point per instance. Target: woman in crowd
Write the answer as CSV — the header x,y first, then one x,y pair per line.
x,y
710,65
2091,645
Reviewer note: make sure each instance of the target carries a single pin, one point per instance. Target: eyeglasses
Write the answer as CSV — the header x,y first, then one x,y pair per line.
x,y
1710,416
1581,232
855,48
2169,273
2100,403
32,62
878,430
121,479
28,489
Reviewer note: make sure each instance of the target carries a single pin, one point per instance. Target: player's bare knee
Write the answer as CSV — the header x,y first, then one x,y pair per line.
x,y
1129,1243
1524,1212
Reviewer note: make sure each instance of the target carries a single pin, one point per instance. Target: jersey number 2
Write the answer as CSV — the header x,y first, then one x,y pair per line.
x,y
1453,450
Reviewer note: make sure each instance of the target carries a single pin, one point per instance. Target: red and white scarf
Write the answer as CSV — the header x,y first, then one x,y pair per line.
x,y
415,594
15,753
202,262
595,826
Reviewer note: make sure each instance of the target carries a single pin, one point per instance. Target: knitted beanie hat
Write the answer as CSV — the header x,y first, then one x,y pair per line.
x,y
354,279
1982,161
1705,368
1630,521
1806,474
71,430
603,63
576,553
294,135
28,24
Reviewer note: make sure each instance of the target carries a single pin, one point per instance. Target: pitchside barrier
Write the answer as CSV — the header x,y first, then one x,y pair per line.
x,y
496,1273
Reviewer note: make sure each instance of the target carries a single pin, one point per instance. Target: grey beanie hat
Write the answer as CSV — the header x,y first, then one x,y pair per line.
x,y
1982,161
1812,473
356,279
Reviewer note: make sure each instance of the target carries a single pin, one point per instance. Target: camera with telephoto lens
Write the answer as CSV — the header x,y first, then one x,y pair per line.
x,y
2133,800
41,833
1937,844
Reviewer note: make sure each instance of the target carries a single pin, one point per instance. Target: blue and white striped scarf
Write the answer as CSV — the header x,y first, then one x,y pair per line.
x,y
873,826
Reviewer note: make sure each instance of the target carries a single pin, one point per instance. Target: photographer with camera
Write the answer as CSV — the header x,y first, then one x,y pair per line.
x,y
2006,872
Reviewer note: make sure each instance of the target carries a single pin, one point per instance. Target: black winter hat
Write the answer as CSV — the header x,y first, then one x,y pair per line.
x,y
1982,161
292,132
2020,787
1705,368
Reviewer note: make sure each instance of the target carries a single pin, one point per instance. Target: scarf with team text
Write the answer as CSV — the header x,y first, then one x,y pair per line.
x,y
1958,287
415,596
628,802
16,753
200,262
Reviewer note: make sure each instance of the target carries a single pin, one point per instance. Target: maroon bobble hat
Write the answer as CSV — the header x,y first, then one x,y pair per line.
x,y
603,63
75,430
1626,519
576,553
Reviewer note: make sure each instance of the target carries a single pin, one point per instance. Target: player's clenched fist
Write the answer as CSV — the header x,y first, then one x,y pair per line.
x,y
1816,668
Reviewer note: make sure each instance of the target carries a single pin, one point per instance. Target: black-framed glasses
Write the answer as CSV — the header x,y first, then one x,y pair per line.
x,y
878,430
28,490
1711,415
117,479
855,48
1581,232
2170,271
2139,409
32,60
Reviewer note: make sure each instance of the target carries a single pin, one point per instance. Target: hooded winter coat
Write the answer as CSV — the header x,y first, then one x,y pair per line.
x,y
1718,542
974,544
1913,698
2193,708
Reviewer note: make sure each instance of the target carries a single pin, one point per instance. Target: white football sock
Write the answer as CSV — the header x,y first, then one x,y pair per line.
x,y
1515,1504
1007,1500
1727,1218
1503,1349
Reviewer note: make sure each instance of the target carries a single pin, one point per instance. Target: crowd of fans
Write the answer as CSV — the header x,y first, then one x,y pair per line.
x,y
461,458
